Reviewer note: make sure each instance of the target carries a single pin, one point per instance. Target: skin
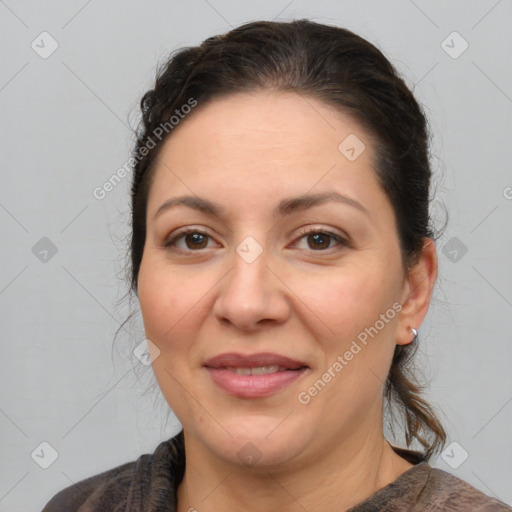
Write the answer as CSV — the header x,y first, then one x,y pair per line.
x,y
247,152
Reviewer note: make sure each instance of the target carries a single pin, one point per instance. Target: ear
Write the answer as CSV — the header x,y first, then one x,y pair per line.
x,y
417,292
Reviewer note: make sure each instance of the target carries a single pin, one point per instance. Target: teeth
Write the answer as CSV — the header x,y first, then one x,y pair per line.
x,y
258,370
262,370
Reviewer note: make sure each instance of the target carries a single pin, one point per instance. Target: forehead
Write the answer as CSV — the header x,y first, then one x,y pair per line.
x,y
267,124
262,145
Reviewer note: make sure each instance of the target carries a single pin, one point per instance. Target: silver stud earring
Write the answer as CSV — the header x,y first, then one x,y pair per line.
x,y
414,332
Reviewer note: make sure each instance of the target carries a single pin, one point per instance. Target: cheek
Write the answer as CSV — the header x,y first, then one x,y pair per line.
x,y
174,303
356,341
163,300
346,301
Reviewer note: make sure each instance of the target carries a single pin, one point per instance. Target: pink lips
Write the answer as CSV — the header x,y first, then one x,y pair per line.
x,y
222,371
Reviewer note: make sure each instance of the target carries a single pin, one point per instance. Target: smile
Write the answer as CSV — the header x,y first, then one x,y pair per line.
x,y
253,375
258,370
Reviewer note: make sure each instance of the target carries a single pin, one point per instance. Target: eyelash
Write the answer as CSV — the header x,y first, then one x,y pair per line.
x,y
306,231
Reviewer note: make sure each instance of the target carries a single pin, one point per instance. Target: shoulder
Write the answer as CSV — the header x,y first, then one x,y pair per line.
x,y
427,489
126,485
444,491
113,483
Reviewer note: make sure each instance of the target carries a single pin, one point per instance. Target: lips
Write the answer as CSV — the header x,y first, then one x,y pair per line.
x,y
253,375
235,360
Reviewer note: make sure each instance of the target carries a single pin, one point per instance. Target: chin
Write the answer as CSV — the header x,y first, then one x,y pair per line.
x,y
257,442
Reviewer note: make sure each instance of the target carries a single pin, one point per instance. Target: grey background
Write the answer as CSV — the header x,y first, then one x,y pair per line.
x,y
65,131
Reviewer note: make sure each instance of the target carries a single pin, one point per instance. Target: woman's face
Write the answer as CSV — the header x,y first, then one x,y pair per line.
x,y
301,296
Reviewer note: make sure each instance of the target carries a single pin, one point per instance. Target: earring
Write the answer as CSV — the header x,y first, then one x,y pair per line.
x,y
414,332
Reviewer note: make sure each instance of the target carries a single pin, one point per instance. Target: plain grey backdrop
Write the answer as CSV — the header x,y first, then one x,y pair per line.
x,y
72,74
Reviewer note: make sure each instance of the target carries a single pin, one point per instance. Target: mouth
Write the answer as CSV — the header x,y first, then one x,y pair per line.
x,y
254,375
257,370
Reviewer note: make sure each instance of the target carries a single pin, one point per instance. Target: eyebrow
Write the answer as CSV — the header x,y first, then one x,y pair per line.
x,y
285,207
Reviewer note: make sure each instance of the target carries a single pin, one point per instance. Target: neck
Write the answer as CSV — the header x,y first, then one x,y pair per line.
x,y
338,479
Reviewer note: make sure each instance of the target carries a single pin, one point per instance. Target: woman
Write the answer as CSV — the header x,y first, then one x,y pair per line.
x,y
283,256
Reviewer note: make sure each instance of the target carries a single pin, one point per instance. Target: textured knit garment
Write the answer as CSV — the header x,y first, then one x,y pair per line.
x,y
149,484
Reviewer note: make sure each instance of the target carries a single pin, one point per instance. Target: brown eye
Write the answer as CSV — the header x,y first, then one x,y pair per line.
x,y
196,240
319,241
193,239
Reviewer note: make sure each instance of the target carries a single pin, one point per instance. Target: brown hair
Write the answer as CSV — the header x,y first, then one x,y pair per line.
x,y
343,70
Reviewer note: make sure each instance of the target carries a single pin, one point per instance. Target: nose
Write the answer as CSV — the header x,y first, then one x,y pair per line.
x,y
252,296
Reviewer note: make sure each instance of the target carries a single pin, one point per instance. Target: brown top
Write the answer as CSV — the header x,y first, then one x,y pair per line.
x,y
149,484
